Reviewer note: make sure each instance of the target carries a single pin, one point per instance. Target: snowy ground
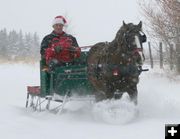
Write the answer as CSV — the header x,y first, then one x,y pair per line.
x,y
159,101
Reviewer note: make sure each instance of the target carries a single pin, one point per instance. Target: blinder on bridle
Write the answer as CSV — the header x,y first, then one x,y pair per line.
x,y
142,38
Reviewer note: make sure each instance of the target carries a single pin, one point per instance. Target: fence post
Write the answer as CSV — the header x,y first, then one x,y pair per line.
x,y
178,57
161,55
150,55
171,57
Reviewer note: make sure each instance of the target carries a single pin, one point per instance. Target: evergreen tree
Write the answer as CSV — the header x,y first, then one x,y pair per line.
x,y
3,44
17,46
13,47
35,46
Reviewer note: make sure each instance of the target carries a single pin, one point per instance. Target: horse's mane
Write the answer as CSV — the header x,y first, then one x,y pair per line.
x,y
118,40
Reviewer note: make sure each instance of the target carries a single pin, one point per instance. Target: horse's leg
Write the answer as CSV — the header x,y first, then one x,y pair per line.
x,y
99,96
94,71
109,91
133,93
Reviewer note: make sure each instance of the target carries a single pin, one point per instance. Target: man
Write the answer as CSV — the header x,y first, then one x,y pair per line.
x,y
57,37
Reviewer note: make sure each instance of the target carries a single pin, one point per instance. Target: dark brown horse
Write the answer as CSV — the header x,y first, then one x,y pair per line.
x,y
114,67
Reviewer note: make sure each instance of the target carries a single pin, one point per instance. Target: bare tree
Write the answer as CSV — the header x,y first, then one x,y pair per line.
x,y
163,20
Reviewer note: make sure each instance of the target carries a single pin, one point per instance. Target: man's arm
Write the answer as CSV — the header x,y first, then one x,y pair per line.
x,y
44,45
74,42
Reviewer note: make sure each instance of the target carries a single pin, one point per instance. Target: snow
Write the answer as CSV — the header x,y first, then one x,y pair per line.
x,y
115,111
158,105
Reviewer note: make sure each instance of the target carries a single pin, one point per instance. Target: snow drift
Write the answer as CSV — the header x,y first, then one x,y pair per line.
x,y
158,104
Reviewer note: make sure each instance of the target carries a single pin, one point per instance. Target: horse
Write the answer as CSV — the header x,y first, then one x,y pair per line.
x,y
114,67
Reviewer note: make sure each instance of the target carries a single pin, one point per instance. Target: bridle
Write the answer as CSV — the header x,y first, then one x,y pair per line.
x,y
138,40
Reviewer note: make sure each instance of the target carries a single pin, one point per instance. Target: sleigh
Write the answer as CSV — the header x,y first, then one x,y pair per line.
x,y
62,84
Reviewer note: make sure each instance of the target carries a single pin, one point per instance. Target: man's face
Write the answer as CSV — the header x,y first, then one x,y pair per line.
x,y
58,28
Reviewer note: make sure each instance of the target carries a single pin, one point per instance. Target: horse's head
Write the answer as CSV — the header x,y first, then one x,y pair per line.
x,y
130,38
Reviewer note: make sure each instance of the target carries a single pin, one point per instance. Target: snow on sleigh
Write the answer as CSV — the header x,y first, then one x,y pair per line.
x,y
105,72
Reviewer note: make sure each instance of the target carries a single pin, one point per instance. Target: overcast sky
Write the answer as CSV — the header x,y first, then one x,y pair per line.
x,y
90,21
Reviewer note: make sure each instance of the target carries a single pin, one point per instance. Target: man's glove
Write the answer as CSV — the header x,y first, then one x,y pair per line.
x,y
58,49
52,64
72,49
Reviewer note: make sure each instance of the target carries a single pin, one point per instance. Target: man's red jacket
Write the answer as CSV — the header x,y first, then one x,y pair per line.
x,y
68,52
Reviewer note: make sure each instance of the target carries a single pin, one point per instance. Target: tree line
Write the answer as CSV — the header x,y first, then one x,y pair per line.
x,y
162,18
19,46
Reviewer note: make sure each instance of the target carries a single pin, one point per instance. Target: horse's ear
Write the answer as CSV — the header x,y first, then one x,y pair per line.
x,y
124,24
140,25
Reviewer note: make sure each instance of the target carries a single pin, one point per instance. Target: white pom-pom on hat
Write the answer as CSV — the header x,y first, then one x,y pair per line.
x,y
59,20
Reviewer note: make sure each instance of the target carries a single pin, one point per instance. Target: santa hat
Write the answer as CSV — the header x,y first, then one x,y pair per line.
x,y
59,20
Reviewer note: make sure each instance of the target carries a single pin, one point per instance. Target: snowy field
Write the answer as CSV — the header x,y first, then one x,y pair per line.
x,y
159,104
